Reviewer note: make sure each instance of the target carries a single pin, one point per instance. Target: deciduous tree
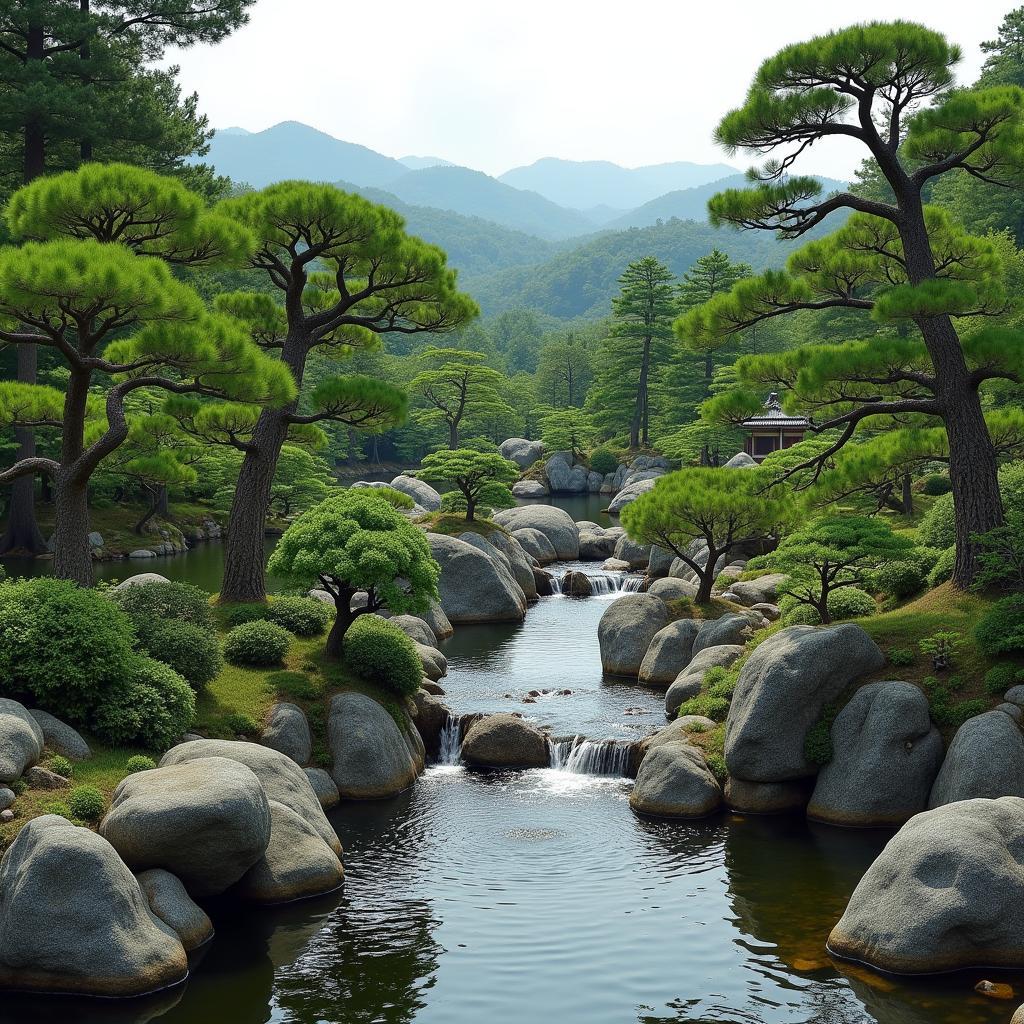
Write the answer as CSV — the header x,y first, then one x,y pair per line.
x,y
479,476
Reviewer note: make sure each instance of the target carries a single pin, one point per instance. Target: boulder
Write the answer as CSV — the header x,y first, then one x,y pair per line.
x,y
7,798
60,737
659,562
282,779
629,551
674,781
415,628
522,452
576,584
669,652
431,716
763,590
324,788
688,683
170,902
472,587
372,758
287,731
142,578
595,547
615,565
73,918
626,630
435,664
741,460
727,631
678,731
765,797
504,741
565,479
672,589
942,895
529,489
298,864
21,740
536,545
628,495
142,553
519,562
644,462
594,481
437,620
771,612
985,759
43,778
206,821
886,753
555,523
419,490
782,690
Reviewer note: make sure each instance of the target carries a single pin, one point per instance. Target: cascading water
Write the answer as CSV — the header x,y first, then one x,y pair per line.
x,y
451,741
580,756
605,583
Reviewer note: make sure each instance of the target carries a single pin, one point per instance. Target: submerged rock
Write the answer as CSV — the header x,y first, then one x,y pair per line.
x,y
504,741
171,903
626,630
765,797
576,584
674,781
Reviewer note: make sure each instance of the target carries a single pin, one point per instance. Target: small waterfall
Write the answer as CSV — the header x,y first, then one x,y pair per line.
x,y
606,583
580,756
451,741
556,584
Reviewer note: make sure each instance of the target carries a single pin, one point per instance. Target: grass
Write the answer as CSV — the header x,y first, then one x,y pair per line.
x,y
687,608
452,524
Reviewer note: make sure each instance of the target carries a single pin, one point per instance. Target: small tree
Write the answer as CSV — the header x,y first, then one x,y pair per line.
x,y
721,507
569,430
832,553
474,473
358,543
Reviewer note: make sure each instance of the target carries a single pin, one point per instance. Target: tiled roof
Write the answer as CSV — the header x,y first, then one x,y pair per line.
x,y
773,416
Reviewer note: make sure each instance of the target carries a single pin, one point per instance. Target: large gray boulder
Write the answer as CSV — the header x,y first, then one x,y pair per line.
x,y
435,664
594,546
763,590
985,759
522,452
728,631
943,895
504,741
518,561
324,787
741,460
674,781
297,864
555,523
141,579
669,652
472,587
659,562
688,683
287,731
437,620
419,490
529,489
415,628
206,821
73,919
672,589
372,757
21,740
281,778
536,545
60,737
170,902
629,494
765,797
626,630
782,690
628,550
566,479
886,753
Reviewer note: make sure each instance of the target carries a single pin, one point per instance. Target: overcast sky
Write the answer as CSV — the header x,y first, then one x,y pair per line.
x,y
494,84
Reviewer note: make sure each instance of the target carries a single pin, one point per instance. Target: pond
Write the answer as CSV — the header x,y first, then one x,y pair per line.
x,y
540,896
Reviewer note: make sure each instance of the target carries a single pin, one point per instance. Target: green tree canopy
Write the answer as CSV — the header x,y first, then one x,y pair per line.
x,y
479,476
358,543
722,508
570,430
564,372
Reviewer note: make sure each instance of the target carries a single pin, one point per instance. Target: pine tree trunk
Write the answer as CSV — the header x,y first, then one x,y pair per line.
x,y
72,552
343,619
908,496
636,425
34,136
453,436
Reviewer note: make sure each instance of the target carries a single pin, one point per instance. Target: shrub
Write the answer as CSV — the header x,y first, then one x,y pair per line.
x,y
818,744
941,648
58,807
1001,629
303,616
193,652
139,763
86,803
381,653
944,709
603,461
152,708
936,484
61,645
62,766
801,615
850,603
720,770
182,602
395,498
901,657
296,685
1000,678
720,682
715,708
241,724
942,571
900,579
239,614
257,643
937,528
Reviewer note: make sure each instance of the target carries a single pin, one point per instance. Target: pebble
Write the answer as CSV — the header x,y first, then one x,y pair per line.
x,y
6,816
994,989
6,798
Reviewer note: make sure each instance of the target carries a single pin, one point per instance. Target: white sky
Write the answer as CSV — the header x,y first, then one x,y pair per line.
x,y
493,84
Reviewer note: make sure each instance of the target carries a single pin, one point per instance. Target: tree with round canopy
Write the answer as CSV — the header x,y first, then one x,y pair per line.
x,y
481,477
378,280
724,508
358,543
570,430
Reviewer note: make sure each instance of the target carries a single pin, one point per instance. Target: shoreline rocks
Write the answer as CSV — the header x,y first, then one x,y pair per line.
x,y
472,587
504,741
626,630
674,781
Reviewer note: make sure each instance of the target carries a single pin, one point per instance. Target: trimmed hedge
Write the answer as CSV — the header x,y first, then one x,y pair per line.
x,y
303,616
191,651
182,602
260,644
382,654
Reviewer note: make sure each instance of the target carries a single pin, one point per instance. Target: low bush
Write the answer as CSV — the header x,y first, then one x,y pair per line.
x,y
1000,678
395,498
720,682
603,461
797,614
182,602
61,766
296,685
942,571
151,708
900,657
901,579
937,528
139,763
193,652
303,616
945,709
381,653
1001,629
850,603
715,708
936,484
86,803
258,644
239,614
241,724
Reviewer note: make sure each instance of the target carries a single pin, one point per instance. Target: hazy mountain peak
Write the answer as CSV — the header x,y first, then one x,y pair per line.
x,y
420,163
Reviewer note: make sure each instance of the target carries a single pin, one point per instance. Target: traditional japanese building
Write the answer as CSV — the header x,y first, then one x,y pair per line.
x,y
772,429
